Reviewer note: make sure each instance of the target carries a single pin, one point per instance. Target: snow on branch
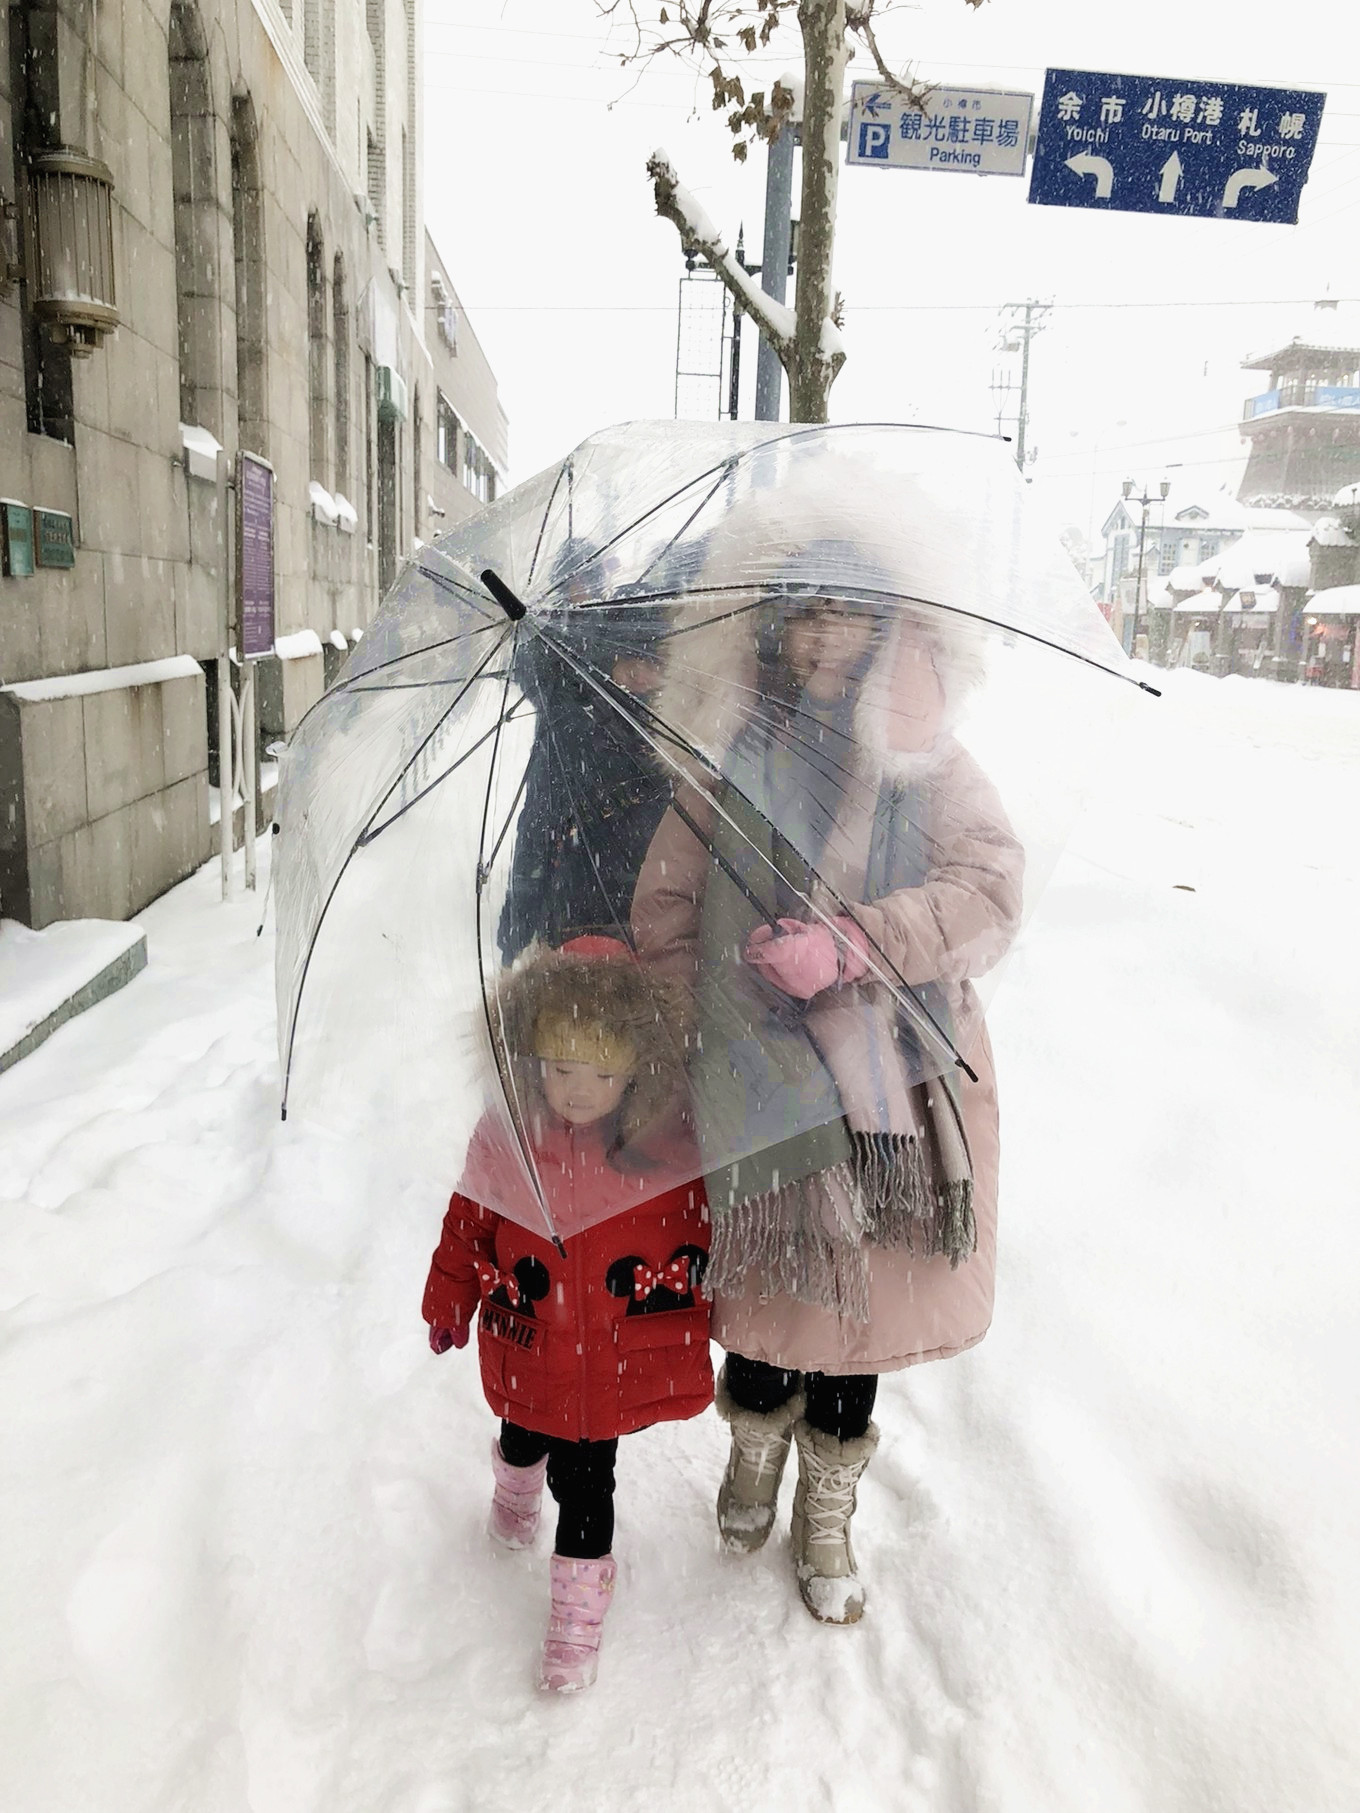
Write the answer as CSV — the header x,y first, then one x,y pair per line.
x,y
700,236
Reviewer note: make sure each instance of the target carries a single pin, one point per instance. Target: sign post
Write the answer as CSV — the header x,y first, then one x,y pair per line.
x,y
255,591
980,131
1161,145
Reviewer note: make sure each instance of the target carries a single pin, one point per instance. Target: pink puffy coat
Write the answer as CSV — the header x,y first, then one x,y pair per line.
x,y
956,924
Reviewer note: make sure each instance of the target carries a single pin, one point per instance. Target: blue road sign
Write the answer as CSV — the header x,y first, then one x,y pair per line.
x,y
1159,145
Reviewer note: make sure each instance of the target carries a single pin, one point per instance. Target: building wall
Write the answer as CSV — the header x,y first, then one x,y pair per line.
x,y
463,378
239,137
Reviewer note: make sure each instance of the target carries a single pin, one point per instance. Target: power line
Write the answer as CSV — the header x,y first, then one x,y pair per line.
x,y
902,308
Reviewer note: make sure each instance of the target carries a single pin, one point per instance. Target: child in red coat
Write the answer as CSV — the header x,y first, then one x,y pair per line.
x,y
605,1332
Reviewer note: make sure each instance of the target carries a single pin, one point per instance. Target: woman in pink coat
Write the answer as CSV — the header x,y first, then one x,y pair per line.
x,y
852,1169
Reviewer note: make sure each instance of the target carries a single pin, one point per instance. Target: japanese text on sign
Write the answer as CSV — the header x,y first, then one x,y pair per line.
x,y
1156,145
981,130
255,567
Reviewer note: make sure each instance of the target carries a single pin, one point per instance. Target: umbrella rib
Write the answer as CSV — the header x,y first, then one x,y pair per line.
x,y
543,525
657,558
509,817
344,687
449,583
320,918
372,834
907,999
507,1090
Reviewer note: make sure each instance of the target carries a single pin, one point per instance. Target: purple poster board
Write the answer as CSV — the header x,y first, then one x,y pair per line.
x,y
255,565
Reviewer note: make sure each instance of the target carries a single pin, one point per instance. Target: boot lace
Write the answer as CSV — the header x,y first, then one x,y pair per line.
x,y
760,1452
830,1501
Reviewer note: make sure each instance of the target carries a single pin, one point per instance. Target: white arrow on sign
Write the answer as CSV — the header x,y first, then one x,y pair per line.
x,y
1171,177
1086,164
1253,177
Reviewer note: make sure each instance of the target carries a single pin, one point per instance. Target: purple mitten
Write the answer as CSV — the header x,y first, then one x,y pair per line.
x,y
442,1339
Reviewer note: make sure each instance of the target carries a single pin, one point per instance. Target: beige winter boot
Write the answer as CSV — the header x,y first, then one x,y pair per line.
x,y
750,1487
823,1504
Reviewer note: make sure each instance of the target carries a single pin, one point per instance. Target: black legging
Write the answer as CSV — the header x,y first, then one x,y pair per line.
x,y
580,1478
838,1404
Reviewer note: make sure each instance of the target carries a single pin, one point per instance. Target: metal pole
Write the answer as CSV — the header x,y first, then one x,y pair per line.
x,y
226,791
774,265
248,747
1145,500
734,374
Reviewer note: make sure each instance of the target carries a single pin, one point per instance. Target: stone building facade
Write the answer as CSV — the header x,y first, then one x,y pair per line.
x,y
261,177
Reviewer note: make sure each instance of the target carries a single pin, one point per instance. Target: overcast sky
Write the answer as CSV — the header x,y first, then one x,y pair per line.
x,y
536,193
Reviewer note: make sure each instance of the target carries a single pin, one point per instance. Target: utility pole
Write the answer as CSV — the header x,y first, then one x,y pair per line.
x,y
1023,320
774,263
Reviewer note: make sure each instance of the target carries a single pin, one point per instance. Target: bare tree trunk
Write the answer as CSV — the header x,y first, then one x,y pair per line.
x,y
816,354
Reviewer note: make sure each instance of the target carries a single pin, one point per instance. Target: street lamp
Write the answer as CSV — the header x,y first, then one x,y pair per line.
x,y
1146,502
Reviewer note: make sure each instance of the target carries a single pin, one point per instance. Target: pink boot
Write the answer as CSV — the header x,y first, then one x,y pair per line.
x,y
580,1598
515,1502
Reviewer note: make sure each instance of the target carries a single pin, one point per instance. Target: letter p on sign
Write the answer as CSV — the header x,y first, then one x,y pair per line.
x,y
873,139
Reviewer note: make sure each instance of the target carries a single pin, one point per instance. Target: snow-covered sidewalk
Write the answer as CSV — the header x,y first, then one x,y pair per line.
x,y
1111,1554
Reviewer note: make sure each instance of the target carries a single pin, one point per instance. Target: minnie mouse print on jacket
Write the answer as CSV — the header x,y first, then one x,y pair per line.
x,y
600,1341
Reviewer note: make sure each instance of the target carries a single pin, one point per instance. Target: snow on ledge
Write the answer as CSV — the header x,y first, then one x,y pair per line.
x,y
105,679
337,640
297,646
347,517
322,504
42,973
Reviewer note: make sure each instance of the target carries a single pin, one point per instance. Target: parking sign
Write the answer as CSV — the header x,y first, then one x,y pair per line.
x,y
981,131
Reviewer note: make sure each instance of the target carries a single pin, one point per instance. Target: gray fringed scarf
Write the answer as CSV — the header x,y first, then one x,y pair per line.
x,y
801,1213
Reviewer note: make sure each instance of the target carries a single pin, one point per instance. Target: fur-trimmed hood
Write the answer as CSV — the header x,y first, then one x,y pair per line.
x,y
647,1011
921,672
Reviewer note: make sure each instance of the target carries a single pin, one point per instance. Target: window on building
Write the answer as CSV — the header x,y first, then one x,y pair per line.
x,y
370,520
445,314
417,466
34,50
479,474
445,433
340,350
1166,557
377,184
318,402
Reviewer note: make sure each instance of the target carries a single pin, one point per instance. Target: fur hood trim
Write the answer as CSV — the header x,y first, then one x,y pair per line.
x,y
632,1005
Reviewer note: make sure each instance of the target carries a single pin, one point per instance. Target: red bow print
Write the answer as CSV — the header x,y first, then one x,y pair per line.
x,y
488,1277
673,1276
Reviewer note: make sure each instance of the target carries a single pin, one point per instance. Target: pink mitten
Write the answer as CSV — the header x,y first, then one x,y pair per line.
x,y
442,1339
804,959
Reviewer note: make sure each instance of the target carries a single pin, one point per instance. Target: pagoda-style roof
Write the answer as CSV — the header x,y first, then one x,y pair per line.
x,y
1306,356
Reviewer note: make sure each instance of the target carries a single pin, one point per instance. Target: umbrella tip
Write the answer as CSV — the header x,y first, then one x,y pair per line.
x,y
561,1246
1156,691
513,607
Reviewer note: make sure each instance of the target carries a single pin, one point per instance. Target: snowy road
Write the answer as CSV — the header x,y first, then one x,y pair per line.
x,y
1112,1554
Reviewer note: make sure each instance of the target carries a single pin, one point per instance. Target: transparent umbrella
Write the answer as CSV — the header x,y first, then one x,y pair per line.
x,y
716,692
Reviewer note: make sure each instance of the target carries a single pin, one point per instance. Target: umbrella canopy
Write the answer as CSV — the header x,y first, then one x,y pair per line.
x,y
779,633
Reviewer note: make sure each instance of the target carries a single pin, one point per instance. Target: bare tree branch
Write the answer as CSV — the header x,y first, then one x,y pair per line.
x,y
701,238
860,21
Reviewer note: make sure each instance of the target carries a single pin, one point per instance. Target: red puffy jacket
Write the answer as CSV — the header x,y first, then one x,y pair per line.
x,y
609,1338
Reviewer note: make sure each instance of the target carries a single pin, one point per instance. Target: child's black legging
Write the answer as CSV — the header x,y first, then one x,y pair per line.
x,y
580,1478
838,1404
